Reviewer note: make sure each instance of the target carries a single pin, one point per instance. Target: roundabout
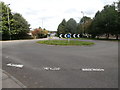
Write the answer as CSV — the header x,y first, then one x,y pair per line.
x,y
65,42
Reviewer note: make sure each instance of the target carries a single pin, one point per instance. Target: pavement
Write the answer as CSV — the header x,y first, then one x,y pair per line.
x,y
8,81
42,64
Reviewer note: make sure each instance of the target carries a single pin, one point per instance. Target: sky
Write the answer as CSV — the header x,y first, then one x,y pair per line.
x,y
48,14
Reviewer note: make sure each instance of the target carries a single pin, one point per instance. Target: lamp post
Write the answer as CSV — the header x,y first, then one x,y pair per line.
x,y
83,22
8,21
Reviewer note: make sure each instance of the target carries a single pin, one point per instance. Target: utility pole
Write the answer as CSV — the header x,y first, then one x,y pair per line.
x,y
9,21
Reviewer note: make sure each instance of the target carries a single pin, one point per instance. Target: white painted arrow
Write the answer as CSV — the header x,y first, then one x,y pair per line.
x,y
15,65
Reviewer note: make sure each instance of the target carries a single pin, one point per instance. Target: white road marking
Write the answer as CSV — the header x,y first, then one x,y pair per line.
x,y
52,69
15,65
92,69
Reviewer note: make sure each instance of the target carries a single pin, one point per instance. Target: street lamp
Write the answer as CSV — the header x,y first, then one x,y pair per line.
x,y
83,21
8,21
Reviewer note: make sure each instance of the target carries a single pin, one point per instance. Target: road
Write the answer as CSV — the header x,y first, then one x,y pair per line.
x,y
69,59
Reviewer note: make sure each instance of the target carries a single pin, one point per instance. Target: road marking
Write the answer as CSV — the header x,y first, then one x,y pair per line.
x,y
93,69
52,68
15,65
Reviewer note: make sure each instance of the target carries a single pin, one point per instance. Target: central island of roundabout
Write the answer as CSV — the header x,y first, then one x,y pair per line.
x,y
65,42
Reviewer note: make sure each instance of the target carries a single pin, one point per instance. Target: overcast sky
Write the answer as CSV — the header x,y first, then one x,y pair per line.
x,y
49,13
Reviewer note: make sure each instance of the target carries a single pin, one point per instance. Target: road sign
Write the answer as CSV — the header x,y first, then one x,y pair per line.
x,y
60,35
78,35
74,35
65,35
68,35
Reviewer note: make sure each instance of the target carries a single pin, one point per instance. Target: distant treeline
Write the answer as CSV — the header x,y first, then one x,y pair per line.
x,y
105,22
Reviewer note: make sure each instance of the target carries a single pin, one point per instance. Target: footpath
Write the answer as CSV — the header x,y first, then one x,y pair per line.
x,y
9,81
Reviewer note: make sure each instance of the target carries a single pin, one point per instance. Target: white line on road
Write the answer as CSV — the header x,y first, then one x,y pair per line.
x,y
52,69
15,65
93,69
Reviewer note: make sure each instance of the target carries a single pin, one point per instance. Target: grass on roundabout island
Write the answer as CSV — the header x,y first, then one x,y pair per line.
x,y
65,42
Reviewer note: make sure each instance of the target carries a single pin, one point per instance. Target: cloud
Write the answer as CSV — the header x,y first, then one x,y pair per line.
x,y
108,1
30,11
71,10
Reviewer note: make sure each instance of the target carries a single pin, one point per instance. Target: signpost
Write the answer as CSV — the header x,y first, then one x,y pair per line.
x,y
74,35
68,36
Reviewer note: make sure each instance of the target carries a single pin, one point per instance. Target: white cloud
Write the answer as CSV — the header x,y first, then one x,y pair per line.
x,y
51,12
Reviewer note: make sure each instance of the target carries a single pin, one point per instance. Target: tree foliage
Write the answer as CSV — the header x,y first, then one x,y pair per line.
x,y
62,27
67,27
71,26
39,33
84,24
4,20
19,27
105,22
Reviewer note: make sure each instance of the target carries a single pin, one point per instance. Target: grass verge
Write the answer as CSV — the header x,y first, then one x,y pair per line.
x,y
65,42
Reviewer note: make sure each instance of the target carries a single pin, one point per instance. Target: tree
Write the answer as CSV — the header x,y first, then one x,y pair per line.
x,y
71,26
5,33
39,33
62,27
111,23
79,29
84,23
117,21
97,26
20,26
105,22
87,25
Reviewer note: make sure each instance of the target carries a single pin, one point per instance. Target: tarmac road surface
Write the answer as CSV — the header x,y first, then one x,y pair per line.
x,y
49,66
